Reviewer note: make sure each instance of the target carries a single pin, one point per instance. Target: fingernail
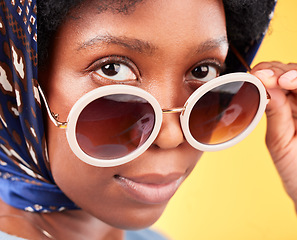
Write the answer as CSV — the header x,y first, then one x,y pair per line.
x,y
289,76
266,72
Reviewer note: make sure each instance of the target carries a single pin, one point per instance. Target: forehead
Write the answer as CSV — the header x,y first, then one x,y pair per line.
x,y
162,18
114,6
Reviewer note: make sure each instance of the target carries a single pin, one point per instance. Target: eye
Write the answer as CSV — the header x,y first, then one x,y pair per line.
x,y
116,71
203,73
114,68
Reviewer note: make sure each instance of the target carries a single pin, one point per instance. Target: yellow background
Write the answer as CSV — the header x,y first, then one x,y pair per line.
x,y
236,194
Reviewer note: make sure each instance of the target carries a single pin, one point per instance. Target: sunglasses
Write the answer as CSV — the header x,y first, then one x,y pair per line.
x,y
115,124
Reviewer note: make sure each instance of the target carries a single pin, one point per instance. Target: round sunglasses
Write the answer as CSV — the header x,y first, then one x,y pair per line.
x,y
115,124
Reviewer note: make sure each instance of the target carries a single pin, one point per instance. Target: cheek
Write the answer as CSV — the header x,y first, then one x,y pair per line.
x,y
93,189
62,159
87,186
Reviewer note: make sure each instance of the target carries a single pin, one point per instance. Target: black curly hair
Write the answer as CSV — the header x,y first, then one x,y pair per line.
x,y
247,21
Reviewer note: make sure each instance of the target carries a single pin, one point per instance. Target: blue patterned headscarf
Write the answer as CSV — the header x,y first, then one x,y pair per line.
x,y
25,178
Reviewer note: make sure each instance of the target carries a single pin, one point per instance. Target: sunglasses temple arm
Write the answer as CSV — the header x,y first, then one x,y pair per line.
x,y
244,63
52,116
240,58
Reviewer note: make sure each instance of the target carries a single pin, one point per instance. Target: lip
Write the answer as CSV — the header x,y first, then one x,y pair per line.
x,y
150,189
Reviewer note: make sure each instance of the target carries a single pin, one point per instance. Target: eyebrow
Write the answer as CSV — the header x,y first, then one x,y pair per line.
x,y
126,42
211,44
146,47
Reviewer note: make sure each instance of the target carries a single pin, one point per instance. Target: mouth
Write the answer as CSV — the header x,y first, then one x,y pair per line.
x,y
150,189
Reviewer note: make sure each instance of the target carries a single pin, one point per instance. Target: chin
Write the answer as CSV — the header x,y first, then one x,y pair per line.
x,y
135,219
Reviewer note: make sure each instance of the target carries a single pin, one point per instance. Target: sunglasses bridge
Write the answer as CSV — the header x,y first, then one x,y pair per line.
x,y
175,110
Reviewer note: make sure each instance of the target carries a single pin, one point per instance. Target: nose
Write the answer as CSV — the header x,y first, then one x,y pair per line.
x,y
170,135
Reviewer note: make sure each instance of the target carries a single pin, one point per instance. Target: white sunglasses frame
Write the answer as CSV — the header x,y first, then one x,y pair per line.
x,y
70,124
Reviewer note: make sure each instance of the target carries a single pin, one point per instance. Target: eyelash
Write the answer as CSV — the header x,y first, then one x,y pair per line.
x,y
95,66
220,67
212,64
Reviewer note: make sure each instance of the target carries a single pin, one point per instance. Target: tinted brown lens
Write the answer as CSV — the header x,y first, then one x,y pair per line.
x,y
114,126
224,112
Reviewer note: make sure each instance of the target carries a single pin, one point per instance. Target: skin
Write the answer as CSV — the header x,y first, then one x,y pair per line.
x,y
161,70
281,82
172,44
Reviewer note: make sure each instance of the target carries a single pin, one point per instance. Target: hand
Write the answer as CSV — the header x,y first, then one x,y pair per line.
x,y
281,82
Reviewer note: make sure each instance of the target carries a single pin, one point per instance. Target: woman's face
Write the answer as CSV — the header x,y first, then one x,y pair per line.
x,y
164,47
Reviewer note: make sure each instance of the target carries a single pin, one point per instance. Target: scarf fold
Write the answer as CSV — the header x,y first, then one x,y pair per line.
x,y
25,178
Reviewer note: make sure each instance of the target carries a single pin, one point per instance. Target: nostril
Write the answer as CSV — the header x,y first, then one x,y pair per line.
x,y
170,135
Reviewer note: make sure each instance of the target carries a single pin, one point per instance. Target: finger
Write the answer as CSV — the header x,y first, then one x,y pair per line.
x,y
270,81
269,65
275,64
281,115
278,98
278,78
288,80
292,66
292,99
280,124
269,77
266,77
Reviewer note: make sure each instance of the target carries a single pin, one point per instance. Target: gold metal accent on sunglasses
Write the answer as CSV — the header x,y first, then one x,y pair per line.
x,y
174,110
53,117
63,125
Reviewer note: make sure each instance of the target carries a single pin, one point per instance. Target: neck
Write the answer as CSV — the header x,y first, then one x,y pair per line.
x,y
77,224
74,224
